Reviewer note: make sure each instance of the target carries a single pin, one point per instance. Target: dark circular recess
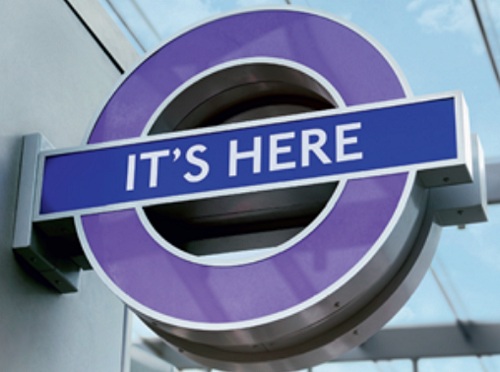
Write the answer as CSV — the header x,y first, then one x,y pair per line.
x,y
242,92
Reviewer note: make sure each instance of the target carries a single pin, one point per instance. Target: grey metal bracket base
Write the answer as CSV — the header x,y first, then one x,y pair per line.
x,y
465,203
50,249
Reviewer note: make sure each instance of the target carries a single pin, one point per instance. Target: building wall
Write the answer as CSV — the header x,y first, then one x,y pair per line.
x,y
53,80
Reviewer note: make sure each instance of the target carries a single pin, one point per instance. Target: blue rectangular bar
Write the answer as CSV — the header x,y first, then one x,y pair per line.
x,y
228,159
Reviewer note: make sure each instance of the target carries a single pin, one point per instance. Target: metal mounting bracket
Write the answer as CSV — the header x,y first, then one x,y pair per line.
x,y
465,203
49,250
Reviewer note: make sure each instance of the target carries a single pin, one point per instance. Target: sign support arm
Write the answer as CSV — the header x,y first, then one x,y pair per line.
x,y
50,250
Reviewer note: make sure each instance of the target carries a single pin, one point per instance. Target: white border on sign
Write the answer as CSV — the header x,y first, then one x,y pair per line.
x,y
462,131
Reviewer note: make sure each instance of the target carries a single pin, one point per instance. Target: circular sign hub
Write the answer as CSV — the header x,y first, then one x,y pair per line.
x,y
317,293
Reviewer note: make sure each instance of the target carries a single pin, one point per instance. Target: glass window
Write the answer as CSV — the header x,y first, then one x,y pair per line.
x,y
456,364
470,259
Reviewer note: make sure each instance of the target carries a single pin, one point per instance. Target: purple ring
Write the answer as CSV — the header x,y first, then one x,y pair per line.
x,y
145,273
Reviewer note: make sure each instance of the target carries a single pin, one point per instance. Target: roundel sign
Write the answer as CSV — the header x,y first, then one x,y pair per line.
x,y
256,189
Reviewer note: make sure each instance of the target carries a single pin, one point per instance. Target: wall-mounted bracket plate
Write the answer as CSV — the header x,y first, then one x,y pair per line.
x,y
49,249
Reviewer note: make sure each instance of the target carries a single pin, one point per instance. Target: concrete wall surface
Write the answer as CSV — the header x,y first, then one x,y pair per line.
x,y
54,77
